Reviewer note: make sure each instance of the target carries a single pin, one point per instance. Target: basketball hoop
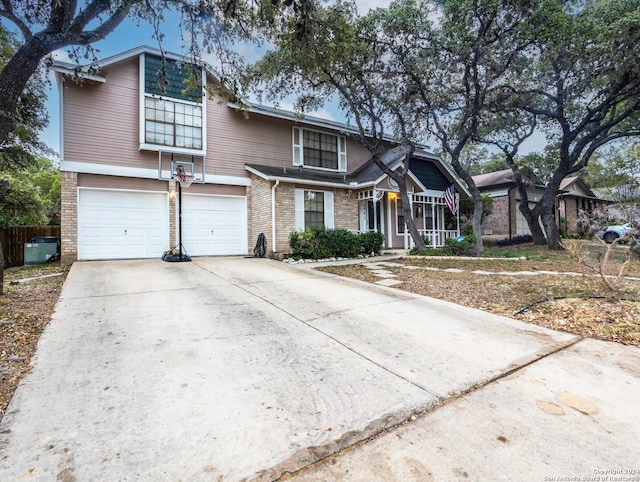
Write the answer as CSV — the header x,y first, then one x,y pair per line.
x,y
185,180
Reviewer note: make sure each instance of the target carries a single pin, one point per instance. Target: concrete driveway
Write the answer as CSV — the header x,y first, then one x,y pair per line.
x,y
235,368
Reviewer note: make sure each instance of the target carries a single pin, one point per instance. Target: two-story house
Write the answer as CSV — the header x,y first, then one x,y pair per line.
x,y
129,123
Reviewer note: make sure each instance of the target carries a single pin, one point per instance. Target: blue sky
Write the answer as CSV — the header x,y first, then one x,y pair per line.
x,y
129,35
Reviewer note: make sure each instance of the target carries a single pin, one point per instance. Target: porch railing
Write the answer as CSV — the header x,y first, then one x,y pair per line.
x,y
436,237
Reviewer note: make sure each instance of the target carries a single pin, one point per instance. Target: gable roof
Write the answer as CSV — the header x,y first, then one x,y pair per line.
x,y
88,70
576,184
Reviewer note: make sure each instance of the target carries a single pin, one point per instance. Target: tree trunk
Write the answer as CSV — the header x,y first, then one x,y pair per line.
x,y
402,152
408,216
476,222
1,270
554,240
533,221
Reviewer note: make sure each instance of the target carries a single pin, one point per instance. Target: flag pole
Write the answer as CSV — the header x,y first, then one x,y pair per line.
x,y
458,217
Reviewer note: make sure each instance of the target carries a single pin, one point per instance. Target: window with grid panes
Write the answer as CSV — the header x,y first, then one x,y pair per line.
x,y
399,216
173,114
320,149
173,123
313,208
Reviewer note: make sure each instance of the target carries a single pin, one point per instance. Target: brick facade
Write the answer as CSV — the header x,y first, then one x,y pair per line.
x,y
497,223
260,217
346,209
69,215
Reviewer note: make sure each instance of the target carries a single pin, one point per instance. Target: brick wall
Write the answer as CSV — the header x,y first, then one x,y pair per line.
x,y
498,221
259,212
69,217
345,210
259,206
285,216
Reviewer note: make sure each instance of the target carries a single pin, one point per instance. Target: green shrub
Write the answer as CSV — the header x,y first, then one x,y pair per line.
x,y
452,247
303,244
320,243
371,242
460,248
340,243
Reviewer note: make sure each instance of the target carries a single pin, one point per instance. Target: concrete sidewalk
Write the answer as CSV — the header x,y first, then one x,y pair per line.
x,y
570,416
234,369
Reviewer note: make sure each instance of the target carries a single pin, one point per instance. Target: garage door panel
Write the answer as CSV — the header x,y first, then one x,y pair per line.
x,y
214,225
122,224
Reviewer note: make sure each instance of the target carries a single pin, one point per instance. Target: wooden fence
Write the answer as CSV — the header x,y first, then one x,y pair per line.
x,y
13,240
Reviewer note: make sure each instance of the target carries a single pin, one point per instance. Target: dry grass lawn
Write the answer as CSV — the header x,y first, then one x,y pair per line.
x,y
25,310
577,301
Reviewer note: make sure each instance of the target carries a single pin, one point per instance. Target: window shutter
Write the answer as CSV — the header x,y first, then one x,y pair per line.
x,y
342,154
328,210
299,208
297,146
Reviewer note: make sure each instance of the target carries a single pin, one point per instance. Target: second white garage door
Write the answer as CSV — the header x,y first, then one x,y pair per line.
x,y
214,225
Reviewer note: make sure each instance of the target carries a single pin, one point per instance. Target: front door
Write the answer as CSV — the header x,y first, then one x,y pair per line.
x,y
374,216
372,219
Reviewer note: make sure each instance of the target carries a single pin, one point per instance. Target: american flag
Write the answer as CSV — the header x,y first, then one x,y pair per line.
x,y
451,198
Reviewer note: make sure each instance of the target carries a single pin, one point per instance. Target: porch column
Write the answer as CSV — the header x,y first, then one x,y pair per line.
x,y
434,222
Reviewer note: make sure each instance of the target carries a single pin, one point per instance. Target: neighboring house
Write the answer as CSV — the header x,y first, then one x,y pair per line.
x,y
575,196
257,170
507,220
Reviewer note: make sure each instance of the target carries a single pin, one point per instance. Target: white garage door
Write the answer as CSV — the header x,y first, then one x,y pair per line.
x,y
122,224
214,225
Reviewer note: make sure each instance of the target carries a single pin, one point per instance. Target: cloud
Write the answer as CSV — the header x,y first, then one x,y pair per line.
x,y
365,6
322,113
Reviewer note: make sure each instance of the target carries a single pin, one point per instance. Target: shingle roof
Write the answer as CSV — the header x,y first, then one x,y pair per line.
x,y
371,172
296,174
494,178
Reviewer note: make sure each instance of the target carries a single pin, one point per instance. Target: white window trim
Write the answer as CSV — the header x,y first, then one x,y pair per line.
x,y
329,209
298,149
144,146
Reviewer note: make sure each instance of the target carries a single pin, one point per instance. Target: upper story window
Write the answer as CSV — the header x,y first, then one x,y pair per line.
x,y
172,123
173,113
319,150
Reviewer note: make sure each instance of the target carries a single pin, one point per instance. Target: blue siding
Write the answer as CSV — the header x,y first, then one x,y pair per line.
x,y
429,174
176,78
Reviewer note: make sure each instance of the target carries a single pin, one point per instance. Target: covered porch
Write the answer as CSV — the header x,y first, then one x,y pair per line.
x,y
381,210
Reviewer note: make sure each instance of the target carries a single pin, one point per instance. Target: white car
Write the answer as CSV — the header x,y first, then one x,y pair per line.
x,y
614,232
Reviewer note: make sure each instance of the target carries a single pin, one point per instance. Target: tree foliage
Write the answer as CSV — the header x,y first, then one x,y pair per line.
x,y
349,56
33,196
615,172
46,26
581,86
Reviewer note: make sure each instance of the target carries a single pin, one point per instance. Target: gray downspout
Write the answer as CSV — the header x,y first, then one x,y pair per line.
x,y
273,215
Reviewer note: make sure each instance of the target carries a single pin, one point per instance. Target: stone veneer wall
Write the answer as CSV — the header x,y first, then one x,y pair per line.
x,y
285,215
69,217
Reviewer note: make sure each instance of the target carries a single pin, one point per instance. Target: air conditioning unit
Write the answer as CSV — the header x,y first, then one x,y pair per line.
x,y
41,250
